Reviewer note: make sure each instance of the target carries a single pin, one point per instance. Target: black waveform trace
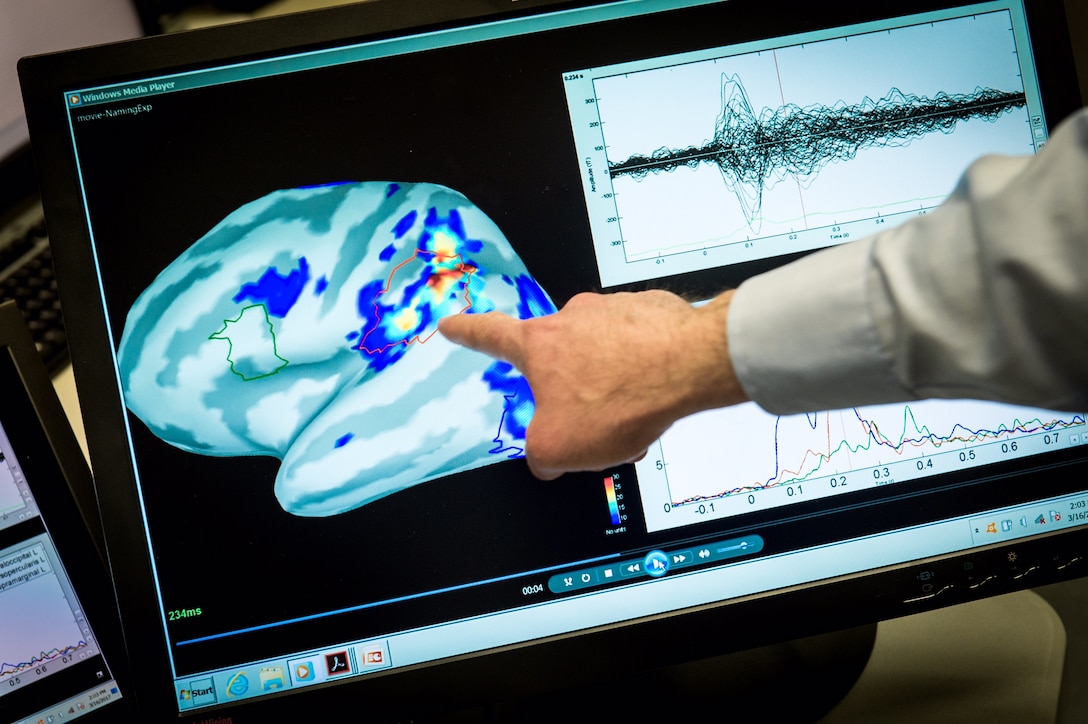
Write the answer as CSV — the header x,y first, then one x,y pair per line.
x,y
754,153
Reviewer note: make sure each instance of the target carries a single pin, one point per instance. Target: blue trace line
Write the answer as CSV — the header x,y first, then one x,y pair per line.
x,y
7,669
874,436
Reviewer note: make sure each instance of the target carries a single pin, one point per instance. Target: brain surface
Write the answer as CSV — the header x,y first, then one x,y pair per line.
x,y
303,326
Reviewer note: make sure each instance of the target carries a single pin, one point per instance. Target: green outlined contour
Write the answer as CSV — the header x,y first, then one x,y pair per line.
x,y
252,354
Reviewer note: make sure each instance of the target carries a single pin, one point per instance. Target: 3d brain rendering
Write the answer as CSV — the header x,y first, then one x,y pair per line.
x,y
304,326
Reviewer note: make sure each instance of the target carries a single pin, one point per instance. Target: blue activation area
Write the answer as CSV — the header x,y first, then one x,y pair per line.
x,y
277,292
518,407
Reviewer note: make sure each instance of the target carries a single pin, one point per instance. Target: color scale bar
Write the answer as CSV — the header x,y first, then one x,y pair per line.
x,y
610,496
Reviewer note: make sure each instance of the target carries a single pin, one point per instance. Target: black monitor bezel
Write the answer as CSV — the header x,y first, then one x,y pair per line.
x,y
875,595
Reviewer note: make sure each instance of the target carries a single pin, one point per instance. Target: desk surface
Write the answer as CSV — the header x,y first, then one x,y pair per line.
x,y
64,383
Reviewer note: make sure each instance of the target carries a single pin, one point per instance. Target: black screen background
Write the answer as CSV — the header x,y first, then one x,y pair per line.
x,y
158,181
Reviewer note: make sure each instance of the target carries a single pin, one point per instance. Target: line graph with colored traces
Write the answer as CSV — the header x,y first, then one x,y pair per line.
x,y
733,461
44,630
44,657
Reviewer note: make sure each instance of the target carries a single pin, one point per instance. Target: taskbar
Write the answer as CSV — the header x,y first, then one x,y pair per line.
x,y
660,582
77,706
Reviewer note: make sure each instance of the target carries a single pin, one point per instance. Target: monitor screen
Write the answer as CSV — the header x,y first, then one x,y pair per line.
x,y
309,493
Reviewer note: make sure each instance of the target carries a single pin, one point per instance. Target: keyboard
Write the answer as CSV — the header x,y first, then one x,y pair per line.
x,y
26,275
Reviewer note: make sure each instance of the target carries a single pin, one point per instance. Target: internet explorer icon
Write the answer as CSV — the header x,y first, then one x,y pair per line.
x,y
237,685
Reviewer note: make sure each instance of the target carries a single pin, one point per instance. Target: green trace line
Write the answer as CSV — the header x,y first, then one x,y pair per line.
x,y
927,438
275,351
690,246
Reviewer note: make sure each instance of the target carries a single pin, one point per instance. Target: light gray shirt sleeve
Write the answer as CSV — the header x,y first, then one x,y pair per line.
x,y
986,297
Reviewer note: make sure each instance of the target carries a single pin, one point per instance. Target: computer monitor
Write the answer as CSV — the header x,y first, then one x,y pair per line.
x,y
313,502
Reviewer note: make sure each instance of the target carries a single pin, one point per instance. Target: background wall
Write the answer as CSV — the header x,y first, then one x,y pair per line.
x,y
173,15
1077,13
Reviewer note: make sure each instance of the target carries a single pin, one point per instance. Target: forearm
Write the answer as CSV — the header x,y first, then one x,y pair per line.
x,y
982,298
701,364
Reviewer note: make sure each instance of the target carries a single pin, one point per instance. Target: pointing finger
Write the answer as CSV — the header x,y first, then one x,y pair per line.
x,y
493,333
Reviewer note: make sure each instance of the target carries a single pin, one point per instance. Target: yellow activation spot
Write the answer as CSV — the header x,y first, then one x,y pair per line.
x,y
444,246
406,320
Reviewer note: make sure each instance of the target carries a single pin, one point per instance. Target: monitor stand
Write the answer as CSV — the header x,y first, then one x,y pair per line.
x,y
794,681
998,659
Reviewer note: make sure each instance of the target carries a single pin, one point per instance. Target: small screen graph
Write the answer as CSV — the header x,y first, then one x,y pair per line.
x,y
737,460
11,499
731,155
43,629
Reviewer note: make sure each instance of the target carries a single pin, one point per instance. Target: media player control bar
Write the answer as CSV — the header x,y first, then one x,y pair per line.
x,y
655,564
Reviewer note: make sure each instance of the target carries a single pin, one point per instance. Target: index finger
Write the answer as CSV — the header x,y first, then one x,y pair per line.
x,y
492,333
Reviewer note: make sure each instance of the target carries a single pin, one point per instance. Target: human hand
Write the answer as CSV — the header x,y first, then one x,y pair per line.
x,y
609,373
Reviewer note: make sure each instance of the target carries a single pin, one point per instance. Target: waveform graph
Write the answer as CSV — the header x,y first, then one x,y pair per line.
x,y
733,461
10,499
753,154
665,210
48,636
719,159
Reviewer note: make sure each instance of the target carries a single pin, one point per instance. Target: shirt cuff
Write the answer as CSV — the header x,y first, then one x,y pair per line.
x,y
802,337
